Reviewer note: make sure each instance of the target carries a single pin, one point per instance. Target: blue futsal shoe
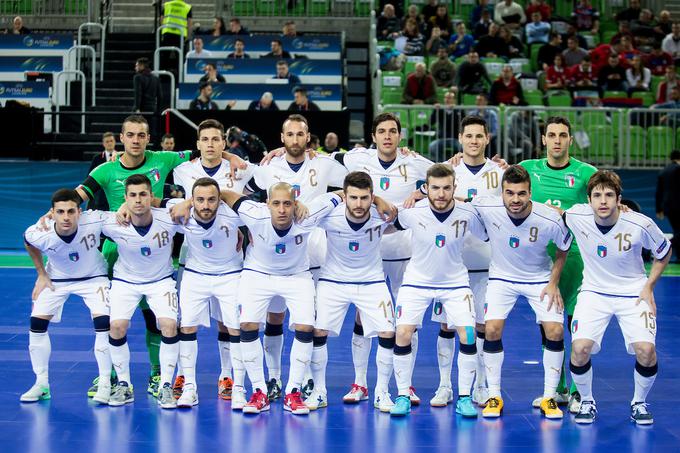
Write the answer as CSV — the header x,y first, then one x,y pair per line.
x,y
402,406
465,407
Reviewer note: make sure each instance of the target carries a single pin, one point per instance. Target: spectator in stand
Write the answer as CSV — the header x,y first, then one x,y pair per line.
x,y
314,142
302,103
572,31
265,103
239,50
435,42
643,29
491,44
443,70
283,72
637,76
599,56
472,75
419,87
664,25
573,54
289,30
277,51
199,51
556,75
671,43
109,144
671,119
491,118
631,13
147,88
415,41
624,30
412,13
445,120
546,54
509,13
586,17
235,27
443,21
388,24
627,52
331,144
512,46
506,90
524,135
18,27
168,142
429,10
460,43
537,31
612,77
481,28
581,77
670,81
211,74
476,13
204,99
541,7
657,60
219,28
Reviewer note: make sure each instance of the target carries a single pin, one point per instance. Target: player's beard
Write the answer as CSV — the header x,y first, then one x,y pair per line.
x,y
523,207
206,215
440,204
295,150
358,213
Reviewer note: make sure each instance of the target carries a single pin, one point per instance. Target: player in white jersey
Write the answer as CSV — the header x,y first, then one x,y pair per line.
x,y
519,232
615,284
436,274
144,268
74,266
277,264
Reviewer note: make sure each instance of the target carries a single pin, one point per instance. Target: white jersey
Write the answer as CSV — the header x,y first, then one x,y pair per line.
x,y
147,258
437,260
311,180
353,255
188,172
486,182
277,252
613,261
77,259
518,253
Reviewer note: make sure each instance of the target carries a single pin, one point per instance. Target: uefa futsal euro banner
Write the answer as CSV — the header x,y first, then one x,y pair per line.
x,y
19,44
261,70
313,47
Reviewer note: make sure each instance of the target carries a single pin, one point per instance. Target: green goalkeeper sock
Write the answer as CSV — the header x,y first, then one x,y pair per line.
x,y
153,345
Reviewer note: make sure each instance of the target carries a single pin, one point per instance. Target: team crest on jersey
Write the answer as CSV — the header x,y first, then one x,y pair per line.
x,y
146,251
570,179
74,256
438,307
296,190
155,175
353,246
440,240
472,192
281,248
513,242
207,243
398,312
181,154
601,251
574,326
385,182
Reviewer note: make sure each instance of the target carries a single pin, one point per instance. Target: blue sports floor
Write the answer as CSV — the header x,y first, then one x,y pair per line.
x,y
70,422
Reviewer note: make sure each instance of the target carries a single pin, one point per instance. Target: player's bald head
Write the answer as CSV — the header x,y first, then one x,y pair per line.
x,y
281,188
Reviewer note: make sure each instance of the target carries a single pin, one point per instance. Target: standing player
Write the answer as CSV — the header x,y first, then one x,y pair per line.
x,y
519,231
74,266
436,273
143,269
560,180
615,284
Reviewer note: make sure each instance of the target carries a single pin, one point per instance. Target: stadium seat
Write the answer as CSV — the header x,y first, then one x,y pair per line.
x,y
362,7
615,94
608,35
268,7
493,68
419,118
602,144
244,7
558,99
654,85
392,79
441,92
659,143
469,99
647,97
520,65
391,95
636,144
534,57
534,97
593,118
318,7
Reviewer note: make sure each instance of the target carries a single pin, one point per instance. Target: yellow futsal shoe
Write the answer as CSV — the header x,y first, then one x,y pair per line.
x,y
494,407
549,408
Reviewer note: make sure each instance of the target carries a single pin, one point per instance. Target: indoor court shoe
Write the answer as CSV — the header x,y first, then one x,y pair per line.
x,y
95,382
154,384
415,399
274,389
258,403
316,400
480,395
442,397
639,413
550,410
402,406
178,386
383,401
122,394
189,396
224,388
574,402
166,400
465,407
307,389
238,398
562,399
587,413
103,394
38,392
356,393
494,407
293,403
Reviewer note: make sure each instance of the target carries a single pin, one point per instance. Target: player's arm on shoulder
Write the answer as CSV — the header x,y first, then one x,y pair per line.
x,y
231,198
476,224
387,211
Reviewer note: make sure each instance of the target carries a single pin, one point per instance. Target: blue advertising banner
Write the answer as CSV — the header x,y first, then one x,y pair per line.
x,y
261,69
24,90
23,64
52,41
315,47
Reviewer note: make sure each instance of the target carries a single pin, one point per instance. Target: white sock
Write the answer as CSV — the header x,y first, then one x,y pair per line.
x,y
168,355
102,355
318,365
643,384
237,365
385,364
273,348
584,383
480,378
402,372
494,363
225,359
120,357
361,349
467,363
251,354
300,355
552,368
414,350
188,353
446,348
40,348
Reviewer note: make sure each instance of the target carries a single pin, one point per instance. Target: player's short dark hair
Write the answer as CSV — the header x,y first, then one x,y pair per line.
x,y
66,195
137,119
143,61
606,179
209,124
296,117
167,136
473,119
136,180
553,35
282,63
205,182
386,116
358,179
439,171
203,85
233,19
240,40
516,174
209,64
302,91
278,41
558,120
108,134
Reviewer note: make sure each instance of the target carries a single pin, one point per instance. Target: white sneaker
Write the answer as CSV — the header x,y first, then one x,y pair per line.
x,y
238,398
316,400
481,395
38,392
383,401
356,393
189,396
103,394
415,399
442,397
575,403
536,403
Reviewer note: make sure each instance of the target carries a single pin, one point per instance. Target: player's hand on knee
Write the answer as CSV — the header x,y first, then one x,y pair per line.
x,y
647,295
301,212
272,154
41,283
123,215
500,161
42,222
552,292
455,160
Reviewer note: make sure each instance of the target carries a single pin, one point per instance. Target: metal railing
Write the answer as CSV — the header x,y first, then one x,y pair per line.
x,y
299,8
173,94
102,51
179,50
651,134
93,69
181,116
82,96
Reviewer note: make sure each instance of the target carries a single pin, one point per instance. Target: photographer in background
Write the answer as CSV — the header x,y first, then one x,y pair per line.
x,y
245,145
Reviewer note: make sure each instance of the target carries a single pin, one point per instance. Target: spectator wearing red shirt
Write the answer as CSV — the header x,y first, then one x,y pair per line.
x,y
419,87
657,60
670,81
627,52
541,7
582,76
506,89
586,17
556,75
600,55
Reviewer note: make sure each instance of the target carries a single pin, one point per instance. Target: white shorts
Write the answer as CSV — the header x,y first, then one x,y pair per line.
x,y
204,296
458,303
373,301
316,248
594,311
161,297
94,291
478,283
501,297
256,290
394,248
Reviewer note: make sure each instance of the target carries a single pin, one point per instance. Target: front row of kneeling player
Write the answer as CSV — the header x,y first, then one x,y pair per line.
x,y
276,268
